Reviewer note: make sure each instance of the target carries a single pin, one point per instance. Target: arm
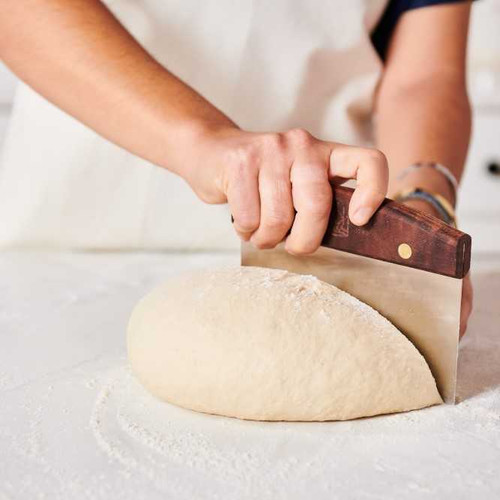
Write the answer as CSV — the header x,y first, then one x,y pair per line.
x,y
423,109
78,56
423,112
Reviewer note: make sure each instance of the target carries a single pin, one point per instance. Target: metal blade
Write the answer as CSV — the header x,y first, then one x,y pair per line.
x,y
422,305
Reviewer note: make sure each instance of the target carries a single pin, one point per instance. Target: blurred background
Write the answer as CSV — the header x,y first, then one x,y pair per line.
x,y
479,202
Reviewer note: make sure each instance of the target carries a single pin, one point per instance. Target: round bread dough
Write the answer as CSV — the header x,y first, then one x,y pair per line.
x,y
266,344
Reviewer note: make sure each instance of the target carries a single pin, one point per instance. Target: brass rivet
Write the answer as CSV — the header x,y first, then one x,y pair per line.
x,y
404,251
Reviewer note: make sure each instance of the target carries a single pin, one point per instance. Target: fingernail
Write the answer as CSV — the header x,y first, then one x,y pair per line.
x,y
361,216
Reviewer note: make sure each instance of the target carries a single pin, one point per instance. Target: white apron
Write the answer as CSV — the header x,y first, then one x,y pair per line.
x,y
269,65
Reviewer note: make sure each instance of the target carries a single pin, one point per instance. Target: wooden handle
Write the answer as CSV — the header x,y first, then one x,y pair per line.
x,y
401,235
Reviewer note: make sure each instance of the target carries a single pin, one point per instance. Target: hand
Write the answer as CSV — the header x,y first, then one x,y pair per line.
x,y
279,183
467,290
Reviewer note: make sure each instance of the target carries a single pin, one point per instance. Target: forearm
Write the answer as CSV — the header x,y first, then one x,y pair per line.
x,y
424,121
80,57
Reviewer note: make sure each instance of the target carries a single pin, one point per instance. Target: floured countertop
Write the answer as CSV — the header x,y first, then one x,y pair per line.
x,y
75,424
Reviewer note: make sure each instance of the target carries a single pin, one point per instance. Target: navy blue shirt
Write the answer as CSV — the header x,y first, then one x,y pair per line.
x,y
381,36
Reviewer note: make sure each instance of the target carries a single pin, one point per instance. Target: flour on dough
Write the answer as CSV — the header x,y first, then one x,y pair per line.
x,y
266,344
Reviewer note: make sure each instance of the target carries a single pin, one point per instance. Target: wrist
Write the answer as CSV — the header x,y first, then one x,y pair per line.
x,y
184,139
429,179
200,157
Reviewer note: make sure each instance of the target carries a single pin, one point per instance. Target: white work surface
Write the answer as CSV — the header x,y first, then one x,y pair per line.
x,y
74,424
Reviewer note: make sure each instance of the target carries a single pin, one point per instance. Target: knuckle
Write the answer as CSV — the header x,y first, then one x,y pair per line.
x,y
300,137
246,222
264,243
302,248
319,206
241,158
273,142
272,230
277,221
377,156
339,155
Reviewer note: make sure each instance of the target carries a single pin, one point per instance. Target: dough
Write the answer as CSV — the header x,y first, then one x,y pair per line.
x,y
266,344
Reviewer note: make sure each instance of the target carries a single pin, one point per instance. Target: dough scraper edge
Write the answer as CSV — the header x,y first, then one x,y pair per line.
x,y
405,264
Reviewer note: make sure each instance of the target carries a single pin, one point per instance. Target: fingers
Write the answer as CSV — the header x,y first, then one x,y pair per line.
x,y
369,168
267,197
244,201
276,213
312,199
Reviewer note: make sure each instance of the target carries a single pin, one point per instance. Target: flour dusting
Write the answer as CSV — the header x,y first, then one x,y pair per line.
x,y
154,439
76,425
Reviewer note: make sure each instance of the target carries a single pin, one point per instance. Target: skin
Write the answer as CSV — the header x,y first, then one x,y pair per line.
x,y
79,57
423,96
